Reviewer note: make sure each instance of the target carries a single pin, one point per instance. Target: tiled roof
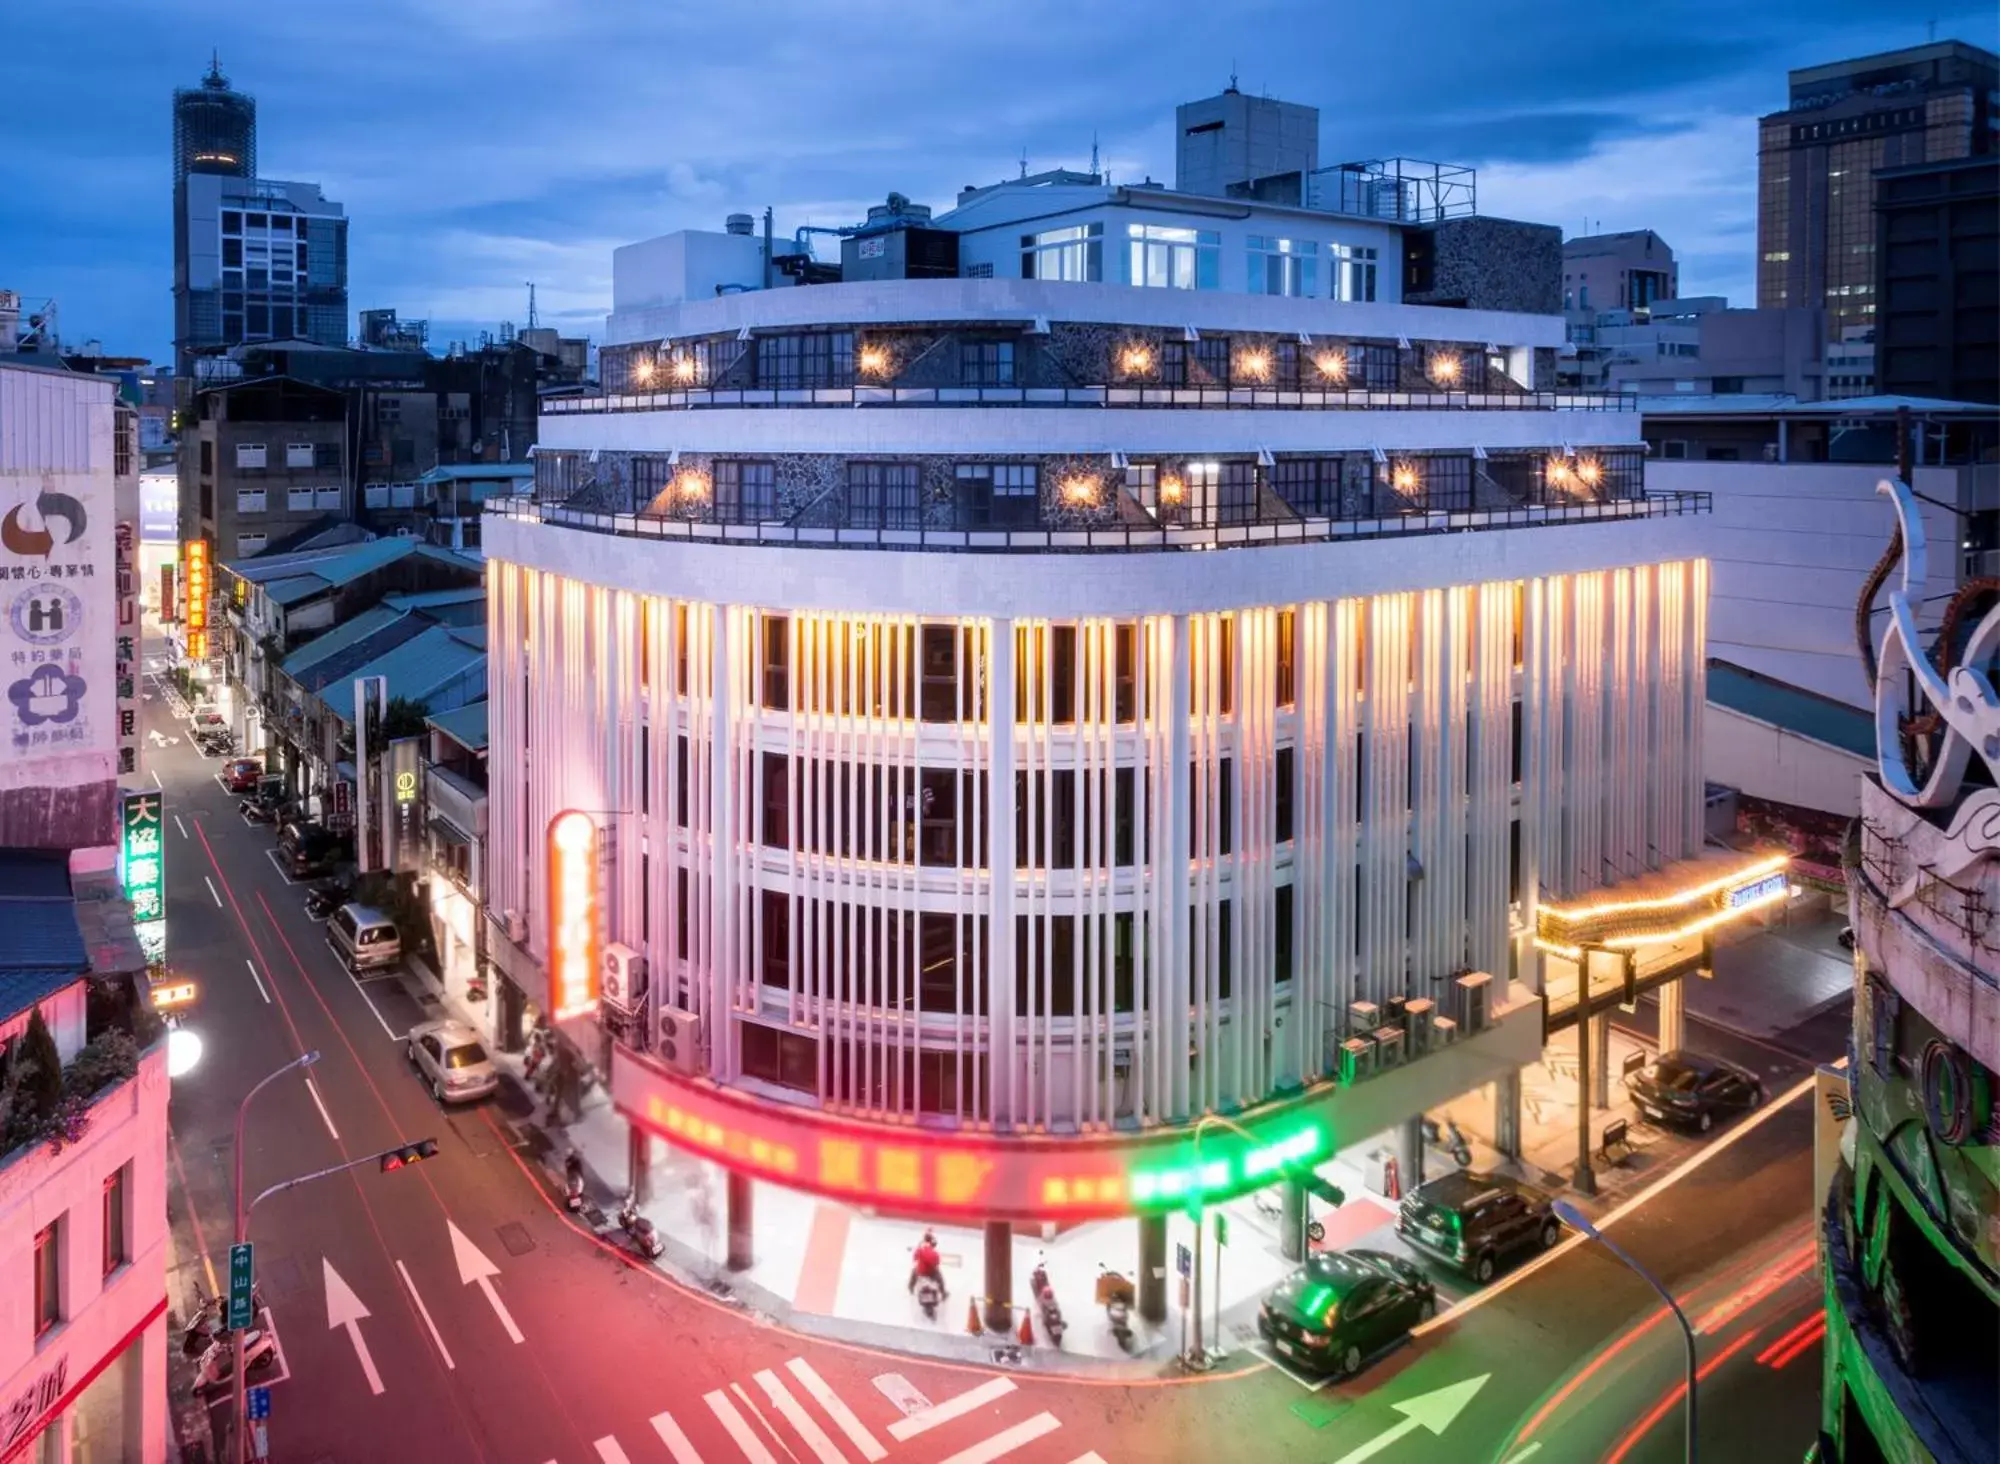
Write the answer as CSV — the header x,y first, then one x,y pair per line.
x,y
464,725
1794,709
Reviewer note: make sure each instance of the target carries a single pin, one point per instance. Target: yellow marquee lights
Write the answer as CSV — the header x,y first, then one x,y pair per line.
x,y
1615,925
1759,870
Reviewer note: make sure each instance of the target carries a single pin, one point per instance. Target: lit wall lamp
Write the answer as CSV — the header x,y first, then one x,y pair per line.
x,y
1405,478
874,360
1558,472
1589,472
642,372
1331,365
1255,364
1446,369
691,486
686,369
1172,490
1079,490
1136,360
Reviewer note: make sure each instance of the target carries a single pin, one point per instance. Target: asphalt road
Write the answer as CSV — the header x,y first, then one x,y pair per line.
x,y
568,1351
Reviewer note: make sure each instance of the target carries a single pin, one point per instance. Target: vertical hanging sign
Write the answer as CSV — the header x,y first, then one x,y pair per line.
x,y
573,879
127,667
142,854
194,557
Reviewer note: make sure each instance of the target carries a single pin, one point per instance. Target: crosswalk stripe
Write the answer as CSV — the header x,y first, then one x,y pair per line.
x,y
905,1429
609,1452
676,1441
857,1432
752,1446
1089,1457
804,1422
1007,1440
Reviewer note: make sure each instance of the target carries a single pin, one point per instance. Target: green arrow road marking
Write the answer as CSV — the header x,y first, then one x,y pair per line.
x,y
1434,1411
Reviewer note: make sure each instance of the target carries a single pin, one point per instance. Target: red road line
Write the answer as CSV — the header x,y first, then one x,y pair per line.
x,y
1678,1392
1791,1336
1803,1345
1784,1271
299,1049
1588,1370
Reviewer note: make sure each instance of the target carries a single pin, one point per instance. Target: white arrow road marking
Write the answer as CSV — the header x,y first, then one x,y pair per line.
x,y
425,1313
1007,1440
1434,1411
320,1104
676,1441
261,991
473,1266
609,1452
798,1418
857,1433
752,1446
344,1309
211,889
905,1429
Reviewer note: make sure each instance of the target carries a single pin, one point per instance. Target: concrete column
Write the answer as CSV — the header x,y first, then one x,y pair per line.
x,y
1292,1221
1507,1115
741,1256
1673,1014
638,1162
1600,1060
1410,1152
1153,1268
999,1276
1585,1178
1003,1068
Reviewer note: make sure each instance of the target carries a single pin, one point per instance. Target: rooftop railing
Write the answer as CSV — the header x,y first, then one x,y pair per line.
x,y
1118,538
1147,397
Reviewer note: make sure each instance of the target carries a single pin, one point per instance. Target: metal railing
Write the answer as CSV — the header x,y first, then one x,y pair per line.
x,y
1111,397
1116,538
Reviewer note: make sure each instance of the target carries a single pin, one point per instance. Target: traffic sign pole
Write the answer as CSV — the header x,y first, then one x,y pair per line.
x,y
242,1285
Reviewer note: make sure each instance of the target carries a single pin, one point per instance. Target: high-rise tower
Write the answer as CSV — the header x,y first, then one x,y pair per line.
x,y
215,128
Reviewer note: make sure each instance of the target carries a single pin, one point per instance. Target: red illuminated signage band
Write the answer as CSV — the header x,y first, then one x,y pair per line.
x,y
972,1174
573,914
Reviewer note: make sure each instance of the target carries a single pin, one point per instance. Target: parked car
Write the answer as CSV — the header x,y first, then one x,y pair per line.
x,y
448,1056
1693,1089
240,775
1342,1307
309,850
1472,1221
364,938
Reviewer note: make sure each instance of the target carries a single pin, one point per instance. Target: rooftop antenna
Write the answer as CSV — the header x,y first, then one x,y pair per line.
x,y
534,320
1093,152
1232,74
1024,162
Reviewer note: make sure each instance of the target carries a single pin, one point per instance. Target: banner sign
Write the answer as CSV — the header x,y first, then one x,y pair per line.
x,y
573,885
126,662
55,615
195,567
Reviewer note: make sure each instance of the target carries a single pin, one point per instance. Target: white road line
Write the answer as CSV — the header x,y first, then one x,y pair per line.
x,y
676,1441
1529,1452
320,1104
762,1422
905,1429
1091,1456
1007,1440
181,826
609,1452
752,1446
211,890
277,864
857,1432
1604,1222
258,979
798,1418
422,1310
156,779
382,1021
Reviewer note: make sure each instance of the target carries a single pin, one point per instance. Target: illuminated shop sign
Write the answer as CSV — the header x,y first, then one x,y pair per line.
x,y
572,914
142,854
194,559
967,1174
1758,891
1706,901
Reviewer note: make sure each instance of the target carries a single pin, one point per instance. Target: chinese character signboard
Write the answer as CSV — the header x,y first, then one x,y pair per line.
x,y
194,569
573,879
142,853
402,775
126,660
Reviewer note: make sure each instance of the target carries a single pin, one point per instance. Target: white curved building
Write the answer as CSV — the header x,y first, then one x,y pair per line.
x,y
1018,717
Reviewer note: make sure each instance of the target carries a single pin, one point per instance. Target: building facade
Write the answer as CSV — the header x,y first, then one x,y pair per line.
x,y
1632,270
1938,280
1817,159
1064,737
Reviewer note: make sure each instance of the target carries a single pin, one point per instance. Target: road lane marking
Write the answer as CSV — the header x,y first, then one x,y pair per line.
x,y
473,1265
425,1313
156,779
1089,1456
836,1409
677,1442
276,863
608,1450
345,1310
752,1446
905,1429
1310,1384
1007,1440
258,979
1527,1453
807,1426
320,1104
181,826
762,1422
1673,1176
211,890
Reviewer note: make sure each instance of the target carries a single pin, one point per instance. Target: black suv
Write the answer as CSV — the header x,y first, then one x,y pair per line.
x,y
309,850
1472,1221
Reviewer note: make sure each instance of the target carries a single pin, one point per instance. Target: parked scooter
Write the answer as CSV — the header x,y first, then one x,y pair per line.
x,y
929,1295
1115,1293
258,810
1448,1138
326,897
1045,1301
643,1235
218,1364
573,1181
204,1325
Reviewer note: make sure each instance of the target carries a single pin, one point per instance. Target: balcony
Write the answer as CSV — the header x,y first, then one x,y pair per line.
x,y
456,800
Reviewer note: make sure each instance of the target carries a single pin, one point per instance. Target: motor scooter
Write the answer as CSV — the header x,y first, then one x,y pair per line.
x,y
218,1363
326,897
1114,1293
573,1181
538,1052
929,1294
204,1323
643,1235
1045,1301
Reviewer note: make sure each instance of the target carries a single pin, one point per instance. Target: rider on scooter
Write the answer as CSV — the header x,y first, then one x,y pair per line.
x,y
927,1263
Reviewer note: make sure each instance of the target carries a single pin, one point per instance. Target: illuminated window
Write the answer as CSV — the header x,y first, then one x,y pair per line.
x,y
1064,254
1283,266
1353,272
1163,257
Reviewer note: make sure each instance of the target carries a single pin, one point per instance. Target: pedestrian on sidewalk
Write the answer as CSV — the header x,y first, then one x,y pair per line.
x,y
566,1088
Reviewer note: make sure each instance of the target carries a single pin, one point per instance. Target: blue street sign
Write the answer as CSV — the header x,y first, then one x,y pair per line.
x,y
239,1287
1183,1260
257,1405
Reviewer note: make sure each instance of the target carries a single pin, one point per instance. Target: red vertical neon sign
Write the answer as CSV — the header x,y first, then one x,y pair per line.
x,y
572,914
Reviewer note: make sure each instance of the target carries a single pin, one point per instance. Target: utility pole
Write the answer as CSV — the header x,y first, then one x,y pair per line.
x,y
238,1435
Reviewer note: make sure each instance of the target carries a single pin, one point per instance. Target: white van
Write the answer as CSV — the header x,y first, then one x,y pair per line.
x,y
364,938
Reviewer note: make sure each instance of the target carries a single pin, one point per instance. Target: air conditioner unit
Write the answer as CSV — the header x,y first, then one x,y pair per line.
x,y
1363,1017
678,1040
1472,998
1443,1030
623,983
1392,1010
1357,1059
517,927
1388,1047
1419,1012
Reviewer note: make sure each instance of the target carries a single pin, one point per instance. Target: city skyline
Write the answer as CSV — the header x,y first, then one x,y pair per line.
x,y
1572,120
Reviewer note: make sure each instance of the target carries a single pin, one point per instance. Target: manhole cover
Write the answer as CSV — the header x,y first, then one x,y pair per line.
x,y
514,1236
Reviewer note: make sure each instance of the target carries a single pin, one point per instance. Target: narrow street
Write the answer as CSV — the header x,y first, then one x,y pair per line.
x,y
452,1311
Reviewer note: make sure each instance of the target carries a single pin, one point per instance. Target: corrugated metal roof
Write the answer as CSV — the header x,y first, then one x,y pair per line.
x,y
334,566
20,990
1793,708
295,587
427,599
417,669
347,633
464,725
1783,404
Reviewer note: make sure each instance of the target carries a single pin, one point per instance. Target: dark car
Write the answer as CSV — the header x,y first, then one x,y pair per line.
x,y
1693,1089
1473,1221
1342,1307
240,775
310,850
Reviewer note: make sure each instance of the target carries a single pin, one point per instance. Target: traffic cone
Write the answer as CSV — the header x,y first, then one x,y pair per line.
x,y
972,1318
1027,1332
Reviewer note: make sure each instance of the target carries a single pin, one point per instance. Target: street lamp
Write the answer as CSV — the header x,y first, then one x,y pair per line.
x,y
242,1217
1576,1220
